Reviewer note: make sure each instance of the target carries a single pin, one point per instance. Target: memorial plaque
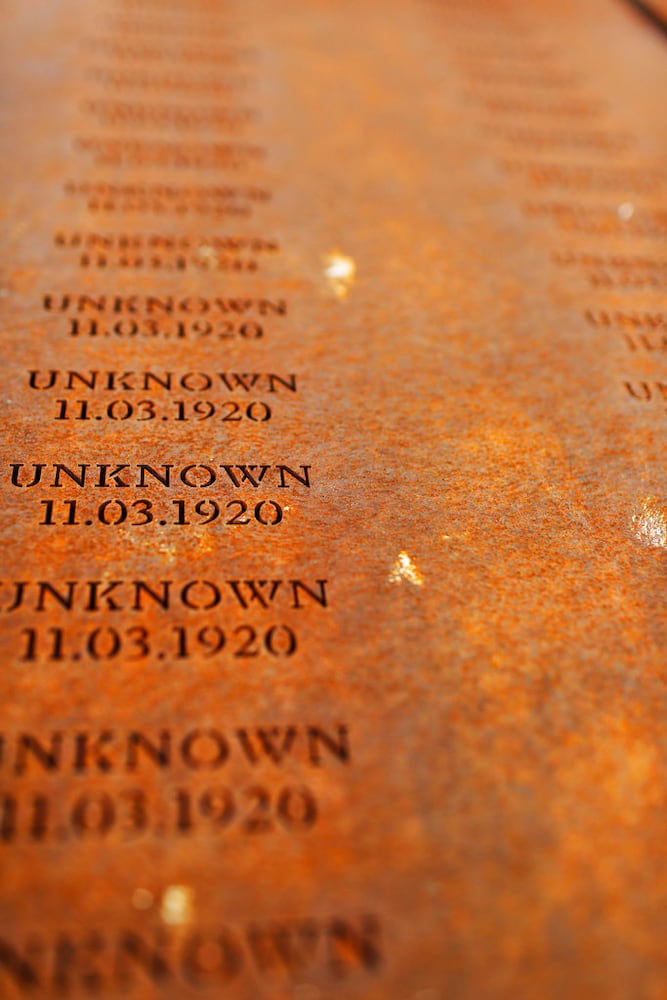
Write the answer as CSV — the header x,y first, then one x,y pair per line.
x,y
334,500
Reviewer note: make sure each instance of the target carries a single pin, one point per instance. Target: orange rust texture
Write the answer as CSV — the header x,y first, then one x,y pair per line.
x,y
468,203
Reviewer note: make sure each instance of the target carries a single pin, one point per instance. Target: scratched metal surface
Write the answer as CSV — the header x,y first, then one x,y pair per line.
x,y
453,788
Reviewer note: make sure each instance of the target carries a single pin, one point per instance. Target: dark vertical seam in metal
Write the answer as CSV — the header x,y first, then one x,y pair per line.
x,y
650,14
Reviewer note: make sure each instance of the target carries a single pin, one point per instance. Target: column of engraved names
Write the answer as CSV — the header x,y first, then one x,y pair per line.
x,y
140,495
167,188
589,179
137,53
591,182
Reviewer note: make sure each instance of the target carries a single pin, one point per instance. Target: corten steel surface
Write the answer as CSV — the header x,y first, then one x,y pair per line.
x,y
333,589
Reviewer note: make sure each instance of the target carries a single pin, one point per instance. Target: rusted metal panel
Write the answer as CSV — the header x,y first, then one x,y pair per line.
x,y
335,508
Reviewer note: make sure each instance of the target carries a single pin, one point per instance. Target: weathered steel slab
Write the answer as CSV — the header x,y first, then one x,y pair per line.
x,y
335,505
